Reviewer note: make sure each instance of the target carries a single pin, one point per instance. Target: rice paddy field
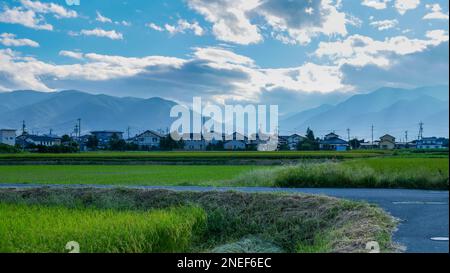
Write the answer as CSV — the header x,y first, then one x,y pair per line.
x,y
122,174
46,229
186,158
379,172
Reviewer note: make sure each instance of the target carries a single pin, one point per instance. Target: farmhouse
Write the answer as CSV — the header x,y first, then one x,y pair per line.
x,y
148,139
294,140
387,142
8,136
26,140
431,143
333,142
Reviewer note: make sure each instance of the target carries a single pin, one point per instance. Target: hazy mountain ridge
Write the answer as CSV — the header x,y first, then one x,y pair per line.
x,y
390,110
59,111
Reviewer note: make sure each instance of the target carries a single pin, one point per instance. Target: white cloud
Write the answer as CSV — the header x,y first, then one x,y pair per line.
x,y
102,18
230,19
376,4
403,6
9,39
29,14
435,12
124,23
71,54
384,24
359,51
111,34
182,26
293,22
27,18
57,10
222,56
213,72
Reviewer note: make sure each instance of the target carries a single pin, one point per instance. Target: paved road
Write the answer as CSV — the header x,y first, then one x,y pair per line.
x,y
423,214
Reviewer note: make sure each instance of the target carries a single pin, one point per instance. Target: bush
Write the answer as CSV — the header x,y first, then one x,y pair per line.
x,y
8,149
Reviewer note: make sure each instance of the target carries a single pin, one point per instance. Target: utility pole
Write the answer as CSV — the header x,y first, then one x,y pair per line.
x,y
79,128
348,134
23,127
50,132
75,130
372,135
128,132
420,131
406,137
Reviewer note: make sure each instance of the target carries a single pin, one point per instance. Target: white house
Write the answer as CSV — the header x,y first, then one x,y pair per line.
x,y
148,139
294,140
8,136
26,140
430,143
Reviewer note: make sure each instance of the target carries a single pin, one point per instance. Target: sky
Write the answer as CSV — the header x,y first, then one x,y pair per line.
x,y
295,53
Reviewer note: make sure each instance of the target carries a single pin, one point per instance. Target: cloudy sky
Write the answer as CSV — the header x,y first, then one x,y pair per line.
x,y
295,53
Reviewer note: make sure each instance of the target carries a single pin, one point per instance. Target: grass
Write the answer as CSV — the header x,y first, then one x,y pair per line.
x,y
120,174
412,173
235,222
44,229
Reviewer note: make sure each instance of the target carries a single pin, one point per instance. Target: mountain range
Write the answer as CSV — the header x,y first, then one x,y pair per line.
x,y
389,110
59,112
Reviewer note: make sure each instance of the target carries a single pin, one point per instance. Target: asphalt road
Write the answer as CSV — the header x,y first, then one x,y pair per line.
x,y
423,214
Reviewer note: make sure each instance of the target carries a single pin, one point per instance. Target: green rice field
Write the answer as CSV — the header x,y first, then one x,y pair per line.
x,y
121,174
42,229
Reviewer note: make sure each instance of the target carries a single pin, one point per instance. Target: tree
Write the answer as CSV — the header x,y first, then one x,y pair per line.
x,y
116,144
168,143
310,143
218,146
310,135
355,143
66,139
92,142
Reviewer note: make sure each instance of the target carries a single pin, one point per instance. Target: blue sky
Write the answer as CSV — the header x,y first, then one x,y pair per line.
x,y
298,53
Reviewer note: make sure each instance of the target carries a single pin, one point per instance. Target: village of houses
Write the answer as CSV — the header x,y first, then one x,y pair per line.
x,y
151,140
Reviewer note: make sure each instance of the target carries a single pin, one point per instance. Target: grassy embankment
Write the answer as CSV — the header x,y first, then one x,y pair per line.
x,y
412,173
235,222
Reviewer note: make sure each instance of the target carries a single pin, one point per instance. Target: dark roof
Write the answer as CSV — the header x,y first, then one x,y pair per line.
x,y
151,132
334,141
106,131
41,138
387,135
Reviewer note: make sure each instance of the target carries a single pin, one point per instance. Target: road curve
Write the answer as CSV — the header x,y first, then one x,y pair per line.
x,y
423,214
